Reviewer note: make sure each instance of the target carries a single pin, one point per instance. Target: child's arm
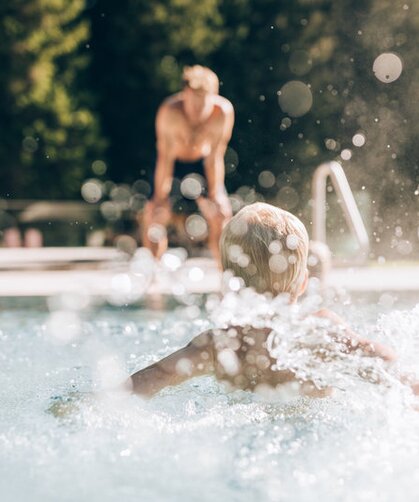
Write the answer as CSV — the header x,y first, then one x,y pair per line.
x,y
196,359
354,342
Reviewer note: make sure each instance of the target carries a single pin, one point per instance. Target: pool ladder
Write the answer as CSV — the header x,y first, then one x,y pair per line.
x,y
335,172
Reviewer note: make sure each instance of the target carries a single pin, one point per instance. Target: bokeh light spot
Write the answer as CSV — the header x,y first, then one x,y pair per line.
x,y
300,62
358,140
346,154
191,186
196,226
295,98
99,167
278,264
92,191
266,179
156,233
30,144
387,67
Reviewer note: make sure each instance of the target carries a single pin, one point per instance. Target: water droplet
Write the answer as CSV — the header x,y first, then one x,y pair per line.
x,y
295,98
346,154
92,191
300,62
30,144
196,226
266,179
99,167
358,140
330,144
191,186
387,67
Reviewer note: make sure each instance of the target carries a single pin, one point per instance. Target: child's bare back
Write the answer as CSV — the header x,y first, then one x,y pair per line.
x,y
239,357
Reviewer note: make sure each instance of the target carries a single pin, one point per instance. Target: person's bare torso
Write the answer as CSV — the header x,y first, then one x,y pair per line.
x,y
189,142
242,361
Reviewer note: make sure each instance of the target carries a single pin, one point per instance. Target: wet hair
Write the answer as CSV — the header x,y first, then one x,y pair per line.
x,y
200,78
267,247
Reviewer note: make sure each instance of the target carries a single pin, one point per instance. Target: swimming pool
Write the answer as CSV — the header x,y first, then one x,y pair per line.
x,y
194,442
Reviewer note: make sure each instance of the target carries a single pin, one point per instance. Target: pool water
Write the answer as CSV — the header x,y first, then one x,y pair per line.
x,y
195,442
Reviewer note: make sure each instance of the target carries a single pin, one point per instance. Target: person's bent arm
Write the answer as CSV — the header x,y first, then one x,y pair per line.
x,y
354,342
373,349
163,176
214,163
195,359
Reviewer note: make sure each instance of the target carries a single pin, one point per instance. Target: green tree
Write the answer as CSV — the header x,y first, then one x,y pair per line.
x,y
49,132
330,47
382,107
268,44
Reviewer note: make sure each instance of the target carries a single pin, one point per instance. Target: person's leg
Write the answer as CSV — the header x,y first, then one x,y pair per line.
x,y
215,227
33,238
155,218
12,238
216,215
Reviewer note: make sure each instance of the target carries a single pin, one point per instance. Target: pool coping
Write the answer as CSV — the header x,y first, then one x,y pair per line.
x,y
101,281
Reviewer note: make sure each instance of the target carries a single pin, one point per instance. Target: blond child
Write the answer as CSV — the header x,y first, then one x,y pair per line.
x,y
266,247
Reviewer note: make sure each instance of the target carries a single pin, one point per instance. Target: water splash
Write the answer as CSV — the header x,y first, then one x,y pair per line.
x,y
359,445
315,349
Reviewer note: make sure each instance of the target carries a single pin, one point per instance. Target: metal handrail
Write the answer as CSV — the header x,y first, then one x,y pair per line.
x,y
345,199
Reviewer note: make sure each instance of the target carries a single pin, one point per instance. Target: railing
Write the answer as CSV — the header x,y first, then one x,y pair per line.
x,y
346,201
30,210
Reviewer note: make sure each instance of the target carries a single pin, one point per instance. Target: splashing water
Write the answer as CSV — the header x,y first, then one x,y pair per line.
x,y
313,348
195,440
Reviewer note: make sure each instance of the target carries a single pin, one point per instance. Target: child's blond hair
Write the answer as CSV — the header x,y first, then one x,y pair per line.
x,y
267,247
200,78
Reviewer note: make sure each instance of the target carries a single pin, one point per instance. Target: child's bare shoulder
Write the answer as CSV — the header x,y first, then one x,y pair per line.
x,y
329,314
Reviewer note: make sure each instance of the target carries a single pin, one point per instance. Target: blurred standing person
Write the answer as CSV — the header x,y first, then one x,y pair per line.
x,y
193,128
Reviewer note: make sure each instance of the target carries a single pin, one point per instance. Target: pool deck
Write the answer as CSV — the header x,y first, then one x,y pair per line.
x,y
391,277
50,271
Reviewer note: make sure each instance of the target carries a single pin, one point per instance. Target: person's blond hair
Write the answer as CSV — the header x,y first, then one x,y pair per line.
x,y
200,78
267,247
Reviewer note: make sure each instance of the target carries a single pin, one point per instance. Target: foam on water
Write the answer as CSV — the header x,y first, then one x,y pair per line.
x,y
195,441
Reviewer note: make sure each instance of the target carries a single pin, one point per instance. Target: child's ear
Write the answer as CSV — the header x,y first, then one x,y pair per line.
x,y
304,283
